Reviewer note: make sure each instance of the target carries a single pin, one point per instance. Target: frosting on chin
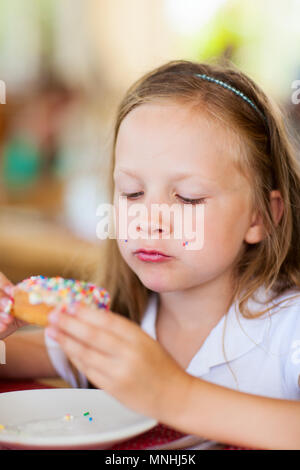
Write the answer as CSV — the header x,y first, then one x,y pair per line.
x,y
54,290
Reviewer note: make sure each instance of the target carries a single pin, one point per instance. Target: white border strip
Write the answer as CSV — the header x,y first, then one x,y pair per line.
x,y
2,353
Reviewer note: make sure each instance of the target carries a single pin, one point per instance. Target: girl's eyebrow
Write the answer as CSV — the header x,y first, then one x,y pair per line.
x,y
128,172
181,176
177,176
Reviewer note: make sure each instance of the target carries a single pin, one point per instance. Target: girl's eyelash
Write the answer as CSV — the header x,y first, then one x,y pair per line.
x,y
192,201
130,195
183,199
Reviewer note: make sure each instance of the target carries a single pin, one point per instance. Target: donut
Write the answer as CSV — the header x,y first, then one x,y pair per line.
x,y
35,297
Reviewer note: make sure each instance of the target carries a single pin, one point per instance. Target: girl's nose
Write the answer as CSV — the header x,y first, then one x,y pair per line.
x,y
153,228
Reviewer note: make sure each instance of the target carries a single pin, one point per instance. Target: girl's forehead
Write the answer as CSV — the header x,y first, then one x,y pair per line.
x,y
153,129
154,138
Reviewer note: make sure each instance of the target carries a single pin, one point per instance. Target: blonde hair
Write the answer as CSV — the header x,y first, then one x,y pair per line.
x,y
267,157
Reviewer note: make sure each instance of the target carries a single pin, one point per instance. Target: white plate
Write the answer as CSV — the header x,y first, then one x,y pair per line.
x,y
37,419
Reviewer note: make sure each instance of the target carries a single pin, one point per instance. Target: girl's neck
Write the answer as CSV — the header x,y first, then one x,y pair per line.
x,y
197,307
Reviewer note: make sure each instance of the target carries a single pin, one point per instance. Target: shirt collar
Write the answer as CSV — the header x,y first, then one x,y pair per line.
x,y
240,335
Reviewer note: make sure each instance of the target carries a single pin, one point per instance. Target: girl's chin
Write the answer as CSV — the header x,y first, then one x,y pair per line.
x,y
157,284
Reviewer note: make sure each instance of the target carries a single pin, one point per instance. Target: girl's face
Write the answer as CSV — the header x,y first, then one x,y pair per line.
x,y
167,154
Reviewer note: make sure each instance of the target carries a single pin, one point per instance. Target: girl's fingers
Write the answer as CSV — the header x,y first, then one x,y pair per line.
x,y
5,285
7,322
5,305
80,366
89,334
6,330
93,316
97,378
5,319
6,292
120,326
84,357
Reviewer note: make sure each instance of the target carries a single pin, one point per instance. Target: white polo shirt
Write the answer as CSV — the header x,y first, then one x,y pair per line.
x,y
262,354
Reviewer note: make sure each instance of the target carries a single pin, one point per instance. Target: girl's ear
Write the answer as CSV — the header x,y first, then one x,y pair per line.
x,y
256,231
277,206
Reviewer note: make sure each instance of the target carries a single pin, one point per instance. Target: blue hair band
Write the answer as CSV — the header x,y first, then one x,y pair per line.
x,y
231,88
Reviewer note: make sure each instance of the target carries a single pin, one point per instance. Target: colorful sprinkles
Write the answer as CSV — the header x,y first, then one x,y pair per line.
x,y
53,290
87,414
68,417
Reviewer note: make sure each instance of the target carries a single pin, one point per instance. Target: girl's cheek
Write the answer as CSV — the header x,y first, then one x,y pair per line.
x,y
120,224
193,225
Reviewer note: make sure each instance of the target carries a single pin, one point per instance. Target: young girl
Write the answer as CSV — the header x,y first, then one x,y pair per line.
x,y
204,340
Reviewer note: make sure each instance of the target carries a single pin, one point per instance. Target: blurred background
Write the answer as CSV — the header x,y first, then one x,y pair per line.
x,y
66,65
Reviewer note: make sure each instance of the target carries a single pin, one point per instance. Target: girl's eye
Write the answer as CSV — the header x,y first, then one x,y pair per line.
x,y
183,199
133,195
192,201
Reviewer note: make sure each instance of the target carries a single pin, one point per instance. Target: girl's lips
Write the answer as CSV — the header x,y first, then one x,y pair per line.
x,y
154,256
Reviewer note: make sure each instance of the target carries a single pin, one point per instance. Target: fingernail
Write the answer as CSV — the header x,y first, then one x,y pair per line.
x,y
72,308
5,318
53,316
6,305
8,290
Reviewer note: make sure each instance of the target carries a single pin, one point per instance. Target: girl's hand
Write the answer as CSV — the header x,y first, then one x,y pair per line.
x,y
115,354
8,323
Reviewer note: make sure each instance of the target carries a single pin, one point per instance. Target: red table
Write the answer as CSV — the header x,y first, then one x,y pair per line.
x,y
158,435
